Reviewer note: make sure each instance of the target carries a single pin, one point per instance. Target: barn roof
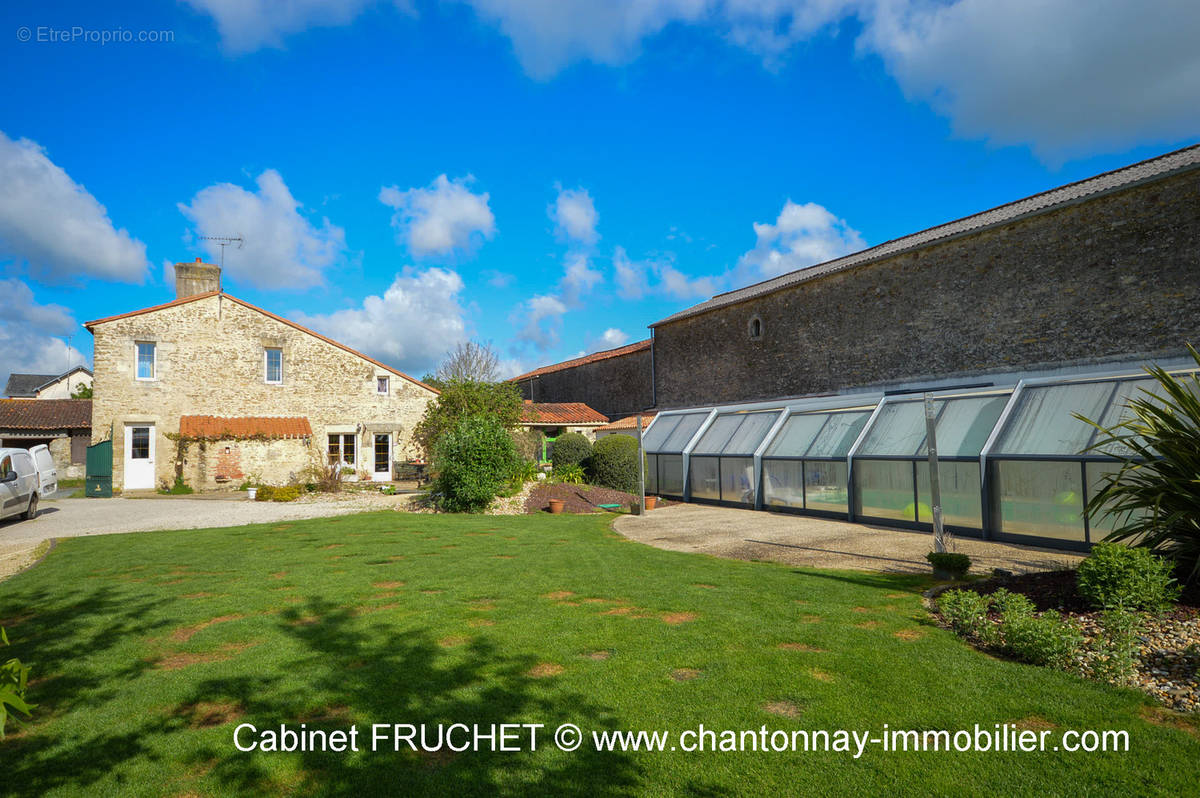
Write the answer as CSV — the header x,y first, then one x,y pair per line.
x,y
560,413
628,349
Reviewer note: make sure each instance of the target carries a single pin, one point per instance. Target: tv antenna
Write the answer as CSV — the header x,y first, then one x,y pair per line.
x,y
224,241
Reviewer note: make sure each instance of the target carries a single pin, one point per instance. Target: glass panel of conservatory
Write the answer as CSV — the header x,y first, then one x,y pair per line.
x,y
961,502
839,434
683,432
797,434
1100,523
1040,498
652,473
670,475
783,483
965,424
705,479
751,433
885,489
898,430
656,436
737,479
825,485
717,435
1043,424
1118,411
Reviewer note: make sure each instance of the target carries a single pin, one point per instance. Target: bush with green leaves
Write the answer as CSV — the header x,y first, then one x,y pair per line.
x,y
614,463
1010,607
966,611
1045,639
461,399
1115,576
525,471
952,563
570,449
14,678
286,494
569,475
473,462
1114,655
264,493
1154,494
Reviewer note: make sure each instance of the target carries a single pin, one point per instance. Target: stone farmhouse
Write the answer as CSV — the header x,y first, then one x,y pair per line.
x,y
48,386
217,391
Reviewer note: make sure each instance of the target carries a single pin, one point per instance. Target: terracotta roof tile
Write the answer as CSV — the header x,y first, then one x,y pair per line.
x,y
1144,171
88,325
628,349
243,427
561,413
47,414
629,422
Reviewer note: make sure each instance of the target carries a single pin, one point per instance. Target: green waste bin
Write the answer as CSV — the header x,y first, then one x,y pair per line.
x,y
98,479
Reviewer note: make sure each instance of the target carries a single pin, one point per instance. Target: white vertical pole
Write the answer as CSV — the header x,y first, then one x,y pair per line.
x,y
641,466
935,484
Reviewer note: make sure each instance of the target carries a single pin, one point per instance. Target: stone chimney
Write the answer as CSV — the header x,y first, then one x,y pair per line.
x,y
196,278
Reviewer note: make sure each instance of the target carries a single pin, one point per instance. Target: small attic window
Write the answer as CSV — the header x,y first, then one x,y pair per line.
x,y
755,328
381,385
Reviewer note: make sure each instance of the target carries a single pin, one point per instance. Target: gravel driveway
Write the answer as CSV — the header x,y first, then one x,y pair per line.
x,y
65,518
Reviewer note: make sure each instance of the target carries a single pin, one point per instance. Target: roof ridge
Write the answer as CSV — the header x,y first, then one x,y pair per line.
x,y
592,357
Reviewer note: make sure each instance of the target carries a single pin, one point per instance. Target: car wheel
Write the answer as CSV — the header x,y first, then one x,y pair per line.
x,y
31,513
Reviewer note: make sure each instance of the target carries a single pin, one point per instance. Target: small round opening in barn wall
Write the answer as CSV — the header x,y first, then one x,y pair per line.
x,y
755,328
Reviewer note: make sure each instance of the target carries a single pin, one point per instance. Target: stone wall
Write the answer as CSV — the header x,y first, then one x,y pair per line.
x,y
1116,276
615,387
210,361
213,465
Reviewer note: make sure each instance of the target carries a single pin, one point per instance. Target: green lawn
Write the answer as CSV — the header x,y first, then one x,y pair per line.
x,y
149,649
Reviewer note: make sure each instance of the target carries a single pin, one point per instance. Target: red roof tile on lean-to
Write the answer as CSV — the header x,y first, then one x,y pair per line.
x,y
628,349
216,427
560,413
45,414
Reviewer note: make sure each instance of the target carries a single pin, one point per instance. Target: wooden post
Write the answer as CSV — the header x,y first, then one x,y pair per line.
x,y
935,483
641,467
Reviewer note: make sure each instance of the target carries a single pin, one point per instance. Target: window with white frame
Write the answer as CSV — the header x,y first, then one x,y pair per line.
x,y
341,449
146,360
381,384
274,365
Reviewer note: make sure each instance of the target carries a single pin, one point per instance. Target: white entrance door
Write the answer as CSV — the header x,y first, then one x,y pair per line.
x,y
382,471
139,456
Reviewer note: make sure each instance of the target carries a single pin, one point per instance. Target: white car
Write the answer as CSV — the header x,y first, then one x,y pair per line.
x,y
25,476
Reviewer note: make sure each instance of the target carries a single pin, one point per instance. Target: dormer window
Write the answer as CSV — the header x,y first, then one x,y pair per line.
x,y
382,385
146,360
274,365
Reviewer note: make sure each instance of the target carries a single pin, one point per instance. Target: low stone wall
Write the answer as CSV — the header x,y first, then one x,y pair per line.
x,y
225,464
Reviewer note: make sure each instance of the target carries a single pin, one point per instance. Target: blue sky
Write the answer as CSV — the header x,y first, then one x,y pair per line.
x,y
548,176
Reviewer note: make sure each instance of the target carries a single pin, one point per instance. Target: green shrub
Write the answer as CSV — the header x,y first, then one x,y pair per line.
x,y
952,563
966,611
571,449
264,493
614,463
1155,495
1042,639
1010,607
462,399
569,475
1114,655
473,461
288,494
14,676
180,488
525,471
1119,577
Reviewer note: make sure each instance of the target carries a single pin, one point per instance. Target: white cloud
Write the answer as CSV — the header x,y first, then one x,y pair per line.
x,y
32,336
579,278
609,339
1068,77
416,321
677,285
630,275
498,279
574,215
443,219
54,225
283,248
539,321
247,25
802,236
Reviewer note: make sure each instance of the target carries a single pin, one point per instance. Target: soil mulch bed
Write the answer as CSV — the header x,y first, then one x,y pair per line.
x,y
577,498
1168,656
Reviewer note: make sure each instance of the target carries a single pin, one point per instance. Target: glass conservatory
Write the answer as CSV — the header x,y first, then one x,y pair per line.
x,y
1014,462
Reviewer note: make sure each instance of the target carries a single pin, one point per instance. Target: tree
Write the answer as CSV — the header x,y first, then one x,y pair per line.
x,y
473,460
470,362
82,391
461,399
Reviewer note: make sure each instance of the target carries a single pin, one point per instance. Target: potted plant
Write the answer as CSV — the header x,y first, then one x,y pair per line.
x,y
556,506
949,565
251,493
651,502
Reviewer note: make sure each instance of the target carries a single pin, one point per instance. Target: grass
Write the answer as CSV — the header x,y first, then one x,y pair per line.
x,y
149,649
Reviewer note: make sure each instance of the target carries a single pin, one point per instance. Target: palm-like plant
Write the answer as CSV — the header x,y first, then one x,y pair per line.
x,y
1156,490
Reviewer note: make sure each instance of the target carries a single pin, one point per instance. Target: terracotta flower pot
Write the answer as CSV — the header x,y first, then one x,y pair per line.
x,y
556,506
651,502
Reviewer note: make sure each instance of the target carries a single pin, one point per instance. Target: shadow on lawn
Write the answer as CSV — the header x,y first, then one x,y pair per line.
x,y
354,673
